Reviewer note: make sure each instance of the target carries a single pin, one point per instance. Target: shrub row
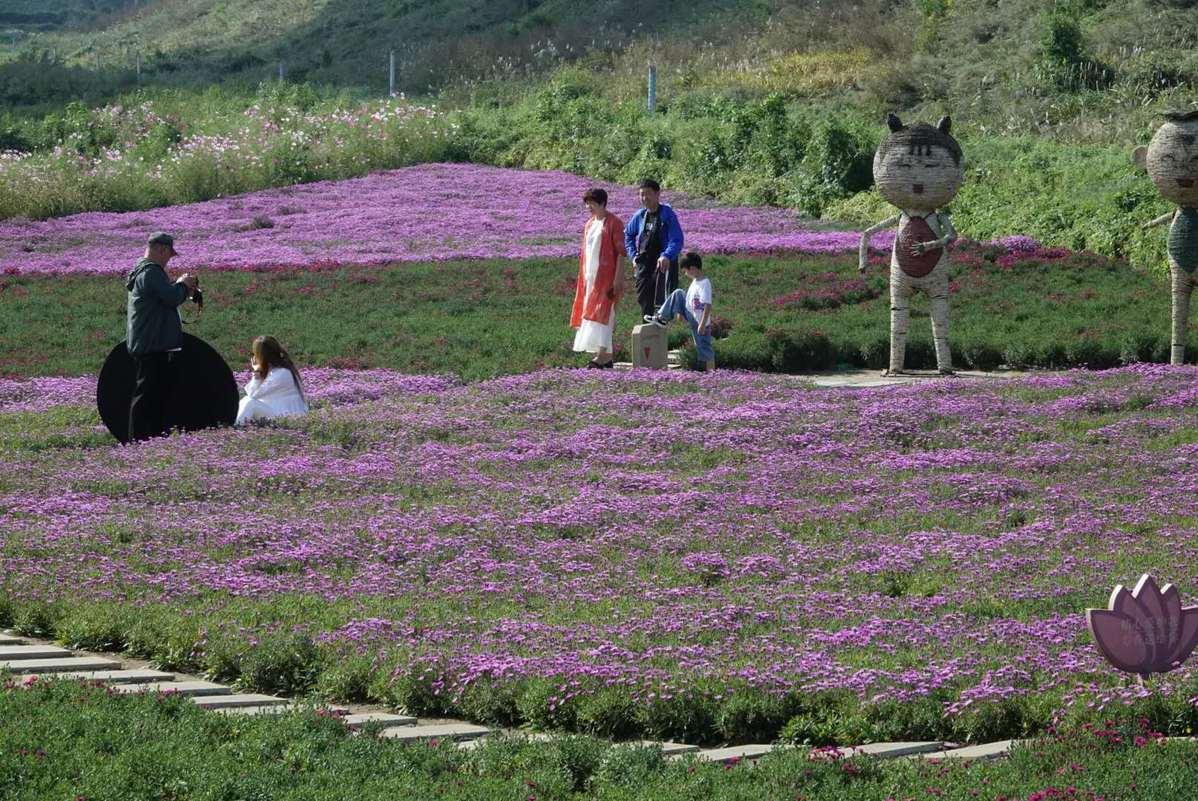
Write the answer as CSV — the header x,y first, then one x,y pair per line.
x,y
700,713
193,754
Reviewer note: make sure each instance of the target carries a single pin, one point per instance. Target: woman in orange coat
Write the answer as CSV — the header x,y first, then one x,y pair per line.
x,y
600,280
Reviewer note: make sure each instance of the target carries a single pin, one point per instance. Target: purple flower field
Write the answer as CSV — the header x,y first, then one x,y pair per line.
x,y
432,212
655,534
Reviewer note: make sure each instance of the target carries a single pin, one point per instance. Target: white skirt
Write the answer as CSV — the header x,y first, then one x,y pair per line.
x,y
593,337
252,410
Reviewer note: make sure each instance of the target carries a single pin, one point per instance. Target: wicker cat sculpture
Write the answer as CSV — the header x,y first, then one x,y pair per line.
x,y
918,170
1171,159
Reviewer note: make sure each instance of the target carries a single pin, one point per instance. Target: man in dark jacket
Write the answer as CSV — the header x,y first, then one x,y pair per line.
x,y
653,239
154,335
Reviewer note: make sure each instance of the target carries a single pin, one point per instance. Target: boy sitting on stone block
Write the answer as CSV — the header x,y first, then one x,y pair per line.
x,y
694,306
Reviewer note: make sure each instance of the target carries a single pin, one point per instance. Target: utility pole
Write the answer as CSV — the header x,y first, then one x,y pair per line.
x,y
652,103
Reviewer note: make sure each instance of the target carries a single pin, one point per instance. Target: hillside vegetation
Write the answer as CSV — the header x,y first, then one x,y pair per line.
x,y
1006,64
760,101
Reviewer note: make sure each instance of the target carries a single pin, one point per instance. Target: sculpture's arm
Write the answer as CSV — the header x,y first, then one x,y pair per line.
x,y
863,250
1161,220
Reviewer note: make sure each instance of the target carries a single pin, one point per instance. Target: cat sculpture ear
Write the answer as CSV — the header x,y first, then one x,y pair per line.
x,y
1139,157
893,122
945,126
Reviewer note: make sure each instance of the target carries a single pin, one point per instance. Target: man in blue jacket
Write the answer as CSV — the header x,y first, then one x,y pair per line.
x,y
154,335
653,239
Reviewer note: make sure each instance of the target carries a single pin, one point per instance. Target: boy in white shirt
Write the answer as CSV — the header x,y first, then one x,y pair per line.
x,y
694,305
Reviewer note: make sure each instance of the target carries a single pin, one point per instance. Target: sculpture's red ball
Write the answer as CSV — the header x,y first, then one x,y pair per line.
x,y
915,231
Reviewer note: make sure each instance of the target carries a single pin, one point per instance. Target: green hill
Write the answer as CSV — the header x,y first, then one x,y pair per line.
x,y
760,101
348,42
24,16
1014,64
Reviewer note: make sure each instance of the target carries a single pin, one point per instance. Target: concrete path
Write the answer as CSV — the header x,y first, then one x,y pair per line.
x,y
855,377
972,752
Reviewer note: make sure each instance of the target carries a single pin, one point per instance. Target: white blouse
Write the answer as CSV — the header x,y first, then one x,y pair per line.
x,y
274,396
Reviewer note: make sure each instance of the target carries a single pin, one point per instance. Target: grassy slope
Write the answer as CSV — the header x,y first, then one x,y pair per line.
x,y
480,319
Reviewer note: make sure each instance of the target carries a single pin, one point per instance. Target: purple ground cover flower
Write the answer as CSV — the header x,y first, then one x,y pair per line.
x,y
40,394
432,212
939,539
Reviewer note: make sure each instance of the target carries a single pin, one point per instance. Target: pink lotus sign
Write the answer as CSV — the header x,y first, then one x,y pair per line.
x,y
1146,630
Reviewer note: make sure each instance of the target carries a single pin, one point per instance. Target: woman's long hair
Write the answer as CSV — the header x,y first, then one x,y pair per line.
x,y
269,353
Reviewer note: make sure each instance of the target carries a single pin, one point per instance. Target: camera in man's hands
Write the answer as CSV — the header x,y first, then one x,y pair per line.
x,y
196,296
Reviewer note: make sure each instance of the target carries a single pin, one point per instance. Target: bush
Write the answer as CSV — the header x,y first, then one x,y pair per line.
x,y
823,718
415,690
286,664
609,712
347,678
168,644
628,766
101,629
495,702
37,619
792,352
545,705
686,716
749,715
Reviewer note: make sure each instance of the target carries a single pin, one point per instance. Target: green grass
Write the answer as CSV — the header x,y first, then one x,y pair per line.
x,y
481,319
65,740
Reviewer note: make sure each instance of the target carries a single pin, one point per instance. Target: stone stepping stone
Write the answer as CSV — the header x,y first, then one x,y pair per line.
x,y
190,689
359,720
66,665
892,750
972,752
734,753
277,709
233,700
532,737
667,749
115,676
255,711
10,639
15,652
443,731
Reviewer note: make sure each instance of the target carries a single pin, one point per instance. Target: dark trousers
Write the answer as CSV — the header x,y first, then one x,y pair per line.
x,y
653,287
157,375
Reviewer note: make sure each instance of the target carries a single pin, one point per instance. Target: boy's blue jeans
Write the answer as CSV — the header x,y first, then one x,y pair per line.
x,y
676,304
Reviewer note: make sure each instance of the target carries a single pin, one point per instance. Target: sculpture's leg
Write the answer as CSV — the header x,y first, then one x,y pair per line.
x,y
938,296
900,310
1183,285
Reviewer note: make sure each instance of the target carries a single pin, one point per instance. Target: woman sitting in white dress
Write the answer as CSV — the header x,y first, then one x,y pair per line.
x,y
275,389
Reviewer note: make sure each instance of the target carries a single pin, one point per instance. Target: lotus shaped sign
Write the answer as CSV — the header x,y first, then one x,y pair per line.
x,y
1146,630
